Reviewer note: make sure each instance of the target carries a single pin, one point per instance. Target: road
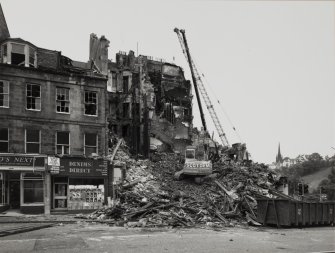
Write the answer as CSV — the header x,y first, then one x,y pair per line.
x,y
84,237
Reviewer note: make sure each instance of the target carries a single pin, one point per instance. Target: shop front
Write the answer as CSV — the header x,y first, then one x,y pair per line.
x,y
22,183
79,184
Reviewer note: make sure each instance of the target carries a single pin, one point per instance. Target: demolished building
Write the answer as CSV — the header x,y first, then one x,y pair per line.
x,y
150,103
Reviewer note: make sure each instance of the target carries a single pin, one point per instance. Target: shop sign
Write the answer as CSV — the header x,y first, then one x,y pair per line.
x,y
22,161
83,167
54,170
53,161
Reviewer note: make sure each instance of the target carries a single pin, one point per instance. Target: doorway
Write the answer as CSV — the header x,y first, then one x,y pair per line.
x,y
60,195
14,193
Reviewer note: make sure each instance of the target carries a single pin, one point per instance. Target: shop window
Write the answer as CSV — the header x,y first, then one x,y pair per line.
x,y
62,100
33,141
3,189
33,97
91,144
32,188
4,94
3,140
125,84
63,143
86,193
90,103
18,56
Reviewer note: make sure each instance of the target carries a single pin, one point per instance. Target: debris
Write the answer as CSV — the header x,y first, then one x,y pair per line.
x,y
150,197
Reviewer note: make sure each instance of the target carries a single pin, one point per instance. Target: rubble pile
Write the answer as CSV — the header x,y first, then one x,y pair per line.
x,y
150,196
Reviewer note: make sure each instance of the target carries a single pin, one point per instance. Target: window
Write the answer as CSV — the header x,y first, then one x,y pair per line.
x,y
114,82
32,57
125,84
33,97
4,94
17,55
136,110
125,110
63,143
113,127
4,53
125,130
190,153
90,103
33,141
32,188
90,144
3,140
62,100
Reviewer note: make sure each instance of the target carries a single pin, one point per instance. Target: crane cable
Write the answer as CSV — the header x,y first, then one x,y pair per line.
x,y
218,101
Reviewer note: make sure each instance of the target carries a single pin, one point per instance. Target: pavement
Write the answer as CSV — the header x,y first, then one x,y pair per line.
x,y
14,222
16,228
14,216
93,237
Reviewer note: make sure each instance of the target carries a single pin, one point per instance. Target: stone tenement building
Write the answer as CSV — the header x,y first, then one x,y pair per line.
x,y
50,106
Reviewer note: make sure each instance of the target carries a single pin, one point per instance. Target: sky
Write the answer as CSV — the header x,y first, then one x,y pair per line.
x,y
270,64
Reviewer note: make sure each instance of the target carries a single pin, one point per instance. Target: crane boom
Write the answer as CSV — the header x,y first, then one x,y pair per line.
x,y
186,53
198,84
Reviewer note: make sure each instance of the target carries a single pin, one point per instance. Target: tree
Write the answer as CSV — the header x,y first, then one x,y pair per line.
x,y
315,157
331,176
300,158
328,185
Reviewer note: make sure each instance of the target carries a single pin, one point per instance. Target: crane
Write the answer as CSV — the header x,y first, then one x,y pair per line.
x,y
199,87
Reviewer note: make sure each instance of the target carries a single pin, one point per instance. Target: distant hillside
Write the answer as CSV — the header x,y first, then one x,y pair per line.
x,y
313,180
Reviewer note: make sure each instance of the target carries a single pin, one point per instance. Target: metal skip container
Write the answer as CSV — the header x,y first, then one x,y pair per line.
x,y
287,213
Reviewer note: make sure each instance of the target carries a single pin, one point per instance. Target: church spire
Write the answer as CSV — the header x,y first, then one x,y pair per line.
x,y
279,157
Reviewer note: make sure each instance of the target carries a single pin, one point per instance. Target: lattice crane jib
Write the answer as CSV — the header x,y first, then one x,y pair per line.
x,y
199,85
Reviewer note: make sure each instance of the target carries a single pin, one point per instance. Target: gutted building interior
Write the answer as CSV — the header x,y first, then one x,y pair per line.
x,y
150,103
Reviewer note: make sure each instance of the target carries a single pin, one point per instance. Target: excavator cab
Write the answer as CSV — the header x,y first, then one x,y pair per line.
x,y
196,164
190,153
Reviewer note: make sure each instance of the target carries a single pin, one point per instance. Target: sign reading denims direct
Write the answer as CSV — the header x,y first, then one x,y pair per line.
x,y
83,167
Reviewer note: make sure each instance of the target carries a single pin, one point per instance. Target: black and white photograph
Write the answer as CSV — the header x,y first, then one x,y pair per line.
x,y
181,126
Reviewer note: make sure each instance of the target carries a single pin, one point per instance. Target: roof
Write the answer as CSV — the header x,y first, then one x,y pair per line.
x,y
4,32
19,40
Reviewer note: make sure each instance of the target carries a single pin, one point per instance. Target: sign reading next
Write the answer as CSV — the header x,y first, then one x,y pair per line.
x,y
83,167
22,161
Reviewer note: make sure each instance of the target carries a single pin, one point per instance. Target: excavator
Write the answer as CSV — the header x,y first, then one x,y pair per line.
x,y
197,163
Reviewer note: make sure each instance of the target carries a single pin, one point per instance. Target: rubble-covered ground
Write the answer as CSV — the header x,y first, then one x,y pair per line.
x,y
150,196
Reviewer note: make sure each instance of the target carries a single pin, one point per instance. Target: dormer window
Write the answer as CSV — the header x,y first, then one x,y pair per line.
x,y
19,54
